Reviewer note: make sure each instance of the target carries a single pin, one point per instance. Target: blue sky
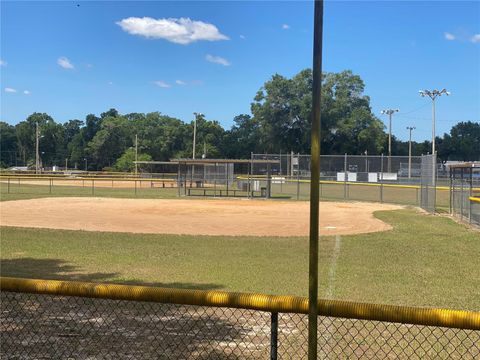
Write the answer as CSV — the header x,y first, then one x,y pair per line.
x,y
72,60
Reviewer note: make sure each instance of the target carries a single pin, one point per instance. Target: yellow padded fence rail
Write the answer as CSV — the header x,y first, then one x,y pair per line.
x,y
459,319
474,199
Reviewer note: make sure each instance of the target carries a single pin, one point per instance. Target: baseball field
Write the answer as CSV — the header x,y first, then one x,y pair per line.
x,y
369,252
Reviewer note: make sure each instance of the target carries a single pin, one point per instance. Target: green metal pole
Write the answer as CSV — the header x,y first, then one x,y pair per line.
x,y
314,183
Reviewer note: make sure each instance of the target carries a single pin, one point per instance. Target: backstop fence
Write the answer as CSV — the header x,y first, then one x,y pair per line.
x,y
61,319
465,192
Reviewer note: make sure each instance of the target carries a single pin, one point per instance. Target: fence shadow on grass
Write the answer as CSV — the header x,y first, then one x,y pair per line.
x,y
58,269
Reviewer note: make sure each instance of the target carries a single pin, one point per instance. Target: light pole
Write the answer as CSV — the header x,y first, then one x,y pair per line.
x,y
66,164
433,94
410,128
195,131
389,112
37,148
86,164
37,155
136,154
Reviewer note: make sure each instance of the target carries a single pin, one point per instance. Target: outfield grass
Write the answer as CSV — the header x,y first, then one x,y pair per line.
x,y
26,191
404,196
424,261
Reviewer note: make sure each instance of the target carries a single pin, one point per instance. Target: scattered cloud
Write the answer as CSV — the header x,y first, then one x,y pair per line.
x,y
110,83
3,62
10,90
26,92
217,60
179,31
449,36
162,84
285,26
180,82
65,63
242,37
475,38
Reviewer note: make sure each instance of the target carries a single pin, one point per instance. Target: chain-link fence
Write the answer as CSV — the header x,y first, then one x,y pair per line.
x,y
35,326
428,183
154,186
465,192
395,179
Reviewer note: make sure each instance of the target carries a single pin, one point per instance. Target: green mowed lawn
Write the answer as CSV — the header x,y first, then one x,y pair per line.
x,y
424,261
404,196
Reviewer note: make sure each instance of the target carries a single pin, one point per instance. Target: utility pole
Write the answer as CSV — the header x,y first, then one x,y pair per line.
x,y
136,153
433,94
410,129
66,164
389,112
86,164
37,154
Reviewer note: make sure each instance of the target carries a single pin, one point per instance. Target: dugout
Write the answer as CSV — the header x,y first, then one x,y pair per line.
x,y
465,191
223,177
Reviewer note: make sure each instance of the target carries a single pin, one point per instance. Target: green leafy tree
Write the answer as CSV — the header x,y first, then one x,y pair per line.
x,y
8,145
126,161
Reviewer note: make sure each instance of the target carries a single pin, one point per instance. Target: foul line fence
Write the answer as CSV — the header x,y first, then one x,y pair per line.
x,y
350,329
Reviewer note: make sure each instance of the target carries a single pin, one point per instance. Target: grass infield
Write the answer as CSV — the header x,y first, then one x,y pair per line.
x,y
424,261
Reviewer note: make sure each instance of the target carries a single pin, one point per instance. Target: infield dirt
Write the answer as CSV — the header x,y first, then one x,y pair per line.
x,y
192,217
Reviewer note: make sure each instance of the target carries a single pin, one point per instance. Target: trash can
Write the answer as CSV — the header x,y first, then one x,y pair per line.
x,y
263,192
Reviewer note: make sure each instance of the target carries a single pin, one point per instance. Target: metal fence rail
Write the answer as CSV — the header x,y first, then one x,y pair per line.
x,y
57,319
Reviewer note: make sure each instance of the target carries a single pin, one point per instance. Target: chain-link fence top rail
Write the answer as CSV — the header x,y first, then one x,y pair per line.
x,y
55,319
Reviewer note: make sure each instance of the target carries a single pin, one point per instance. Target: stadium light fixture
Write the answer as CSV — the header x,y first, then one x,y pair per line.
x,y
433,94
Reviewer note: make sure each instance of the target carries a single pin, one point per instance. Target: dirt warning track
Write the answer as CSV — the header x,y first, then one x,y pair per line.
x,y
192,217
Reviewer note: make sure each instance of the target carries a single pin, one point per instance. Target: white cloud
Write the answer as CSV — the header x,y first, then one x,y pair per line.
x,y
10,90
162,84
242,37
179,31
180,82
449,36
285,26
65,63
3,63
110,83
475,38
217,60
26,92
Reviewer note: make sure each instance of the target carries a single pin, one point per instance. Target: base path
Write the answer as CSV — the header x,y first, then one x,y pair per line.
x,y
192,217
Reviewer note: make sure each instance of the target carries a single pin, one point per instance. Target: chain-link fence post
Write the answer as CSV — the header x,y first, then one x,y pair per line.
x,y
273,335
298,176
50,182
345,177
93,186
8,185
381,179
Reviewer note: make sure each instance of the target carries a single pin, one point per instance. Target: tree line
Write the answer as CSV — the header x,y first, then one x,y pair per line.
x,y
280,122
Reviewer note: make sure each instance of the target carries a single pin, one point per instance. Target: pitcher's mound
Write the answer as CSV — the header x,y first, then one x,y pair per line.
x,y
192,217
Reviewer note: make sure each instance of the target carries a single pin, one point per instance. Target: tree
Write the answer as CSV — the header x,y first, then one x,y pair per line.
x,y
126,161
463,143
282,108
242,139
8,146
